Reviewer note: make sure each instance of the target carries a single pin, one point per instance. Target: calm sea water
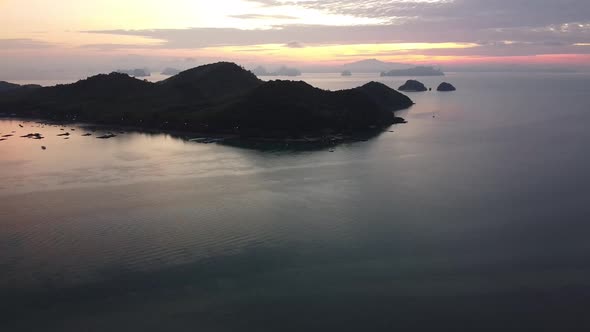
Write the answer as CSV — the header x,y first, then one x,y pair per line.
x,y
474,216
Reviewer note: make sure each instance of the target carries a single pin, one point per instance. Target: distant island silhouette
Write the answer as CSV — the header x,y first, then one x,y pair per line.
x,y
413,86
219,98
371,66
135,72
416,71
282,71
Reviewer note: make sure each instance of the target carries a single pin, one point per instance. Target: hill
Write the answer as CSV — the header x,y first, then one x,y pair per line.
x,y
385,97
102,97
5,86
211,82
294,107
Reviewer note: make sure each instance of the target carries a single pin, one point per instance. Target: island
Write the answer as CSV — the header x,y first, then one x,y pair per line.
x,y
135,72
219,99
416,71
282,71
444,86
413,86
346,73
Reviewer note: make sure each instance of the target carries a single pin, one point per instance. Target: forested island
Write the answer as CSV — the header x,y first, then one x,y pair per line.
x,y
220,98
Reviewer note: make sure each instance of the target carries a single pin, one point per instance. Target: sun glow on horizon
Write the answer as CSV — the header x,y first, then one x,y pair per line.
x,y
74,33
334,53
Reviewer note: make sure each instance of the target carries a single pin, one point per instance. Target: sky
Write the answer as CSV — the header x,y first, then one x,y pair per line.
x,y
48,38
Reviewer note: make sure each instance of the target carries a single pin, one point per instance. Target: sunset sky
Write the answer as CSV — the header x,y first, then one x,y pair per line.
x,y
43,37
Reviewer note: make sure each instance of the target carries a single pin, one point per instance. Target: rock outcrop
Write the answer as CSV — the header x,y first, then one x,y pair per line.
x,y
446,87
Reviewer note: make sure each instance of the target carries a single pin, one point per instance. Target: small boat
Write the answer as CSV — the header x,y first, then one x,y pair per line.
x,y
107,136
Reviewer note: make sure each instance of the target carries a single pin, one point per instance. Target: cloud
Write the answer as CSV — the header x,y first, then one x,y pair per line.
x,y
263,17
468,13
499,28
310,35
114,47
294,44
534,25
456,16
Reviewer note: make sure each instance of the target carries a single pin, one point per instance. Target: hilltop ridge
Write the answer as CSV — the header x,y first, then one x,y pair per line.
x,y
212,81
7,86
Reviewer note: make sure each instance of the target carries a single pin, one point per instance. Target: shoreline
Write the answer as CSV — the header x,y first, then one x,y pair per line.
x,y
329,138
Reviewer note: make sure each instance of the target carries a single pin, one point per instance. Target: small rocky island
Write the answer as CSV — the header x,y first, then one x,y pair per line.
x,y
217,99
346,73
444,86
413,86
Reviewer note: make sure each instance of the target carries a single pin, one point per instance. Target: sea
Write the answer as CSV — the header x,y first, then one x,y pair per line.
x,y
473,216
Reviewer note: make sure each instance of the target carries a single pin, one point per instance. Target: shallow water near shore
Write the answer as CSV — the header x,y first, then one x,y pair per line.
x,y
472,216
